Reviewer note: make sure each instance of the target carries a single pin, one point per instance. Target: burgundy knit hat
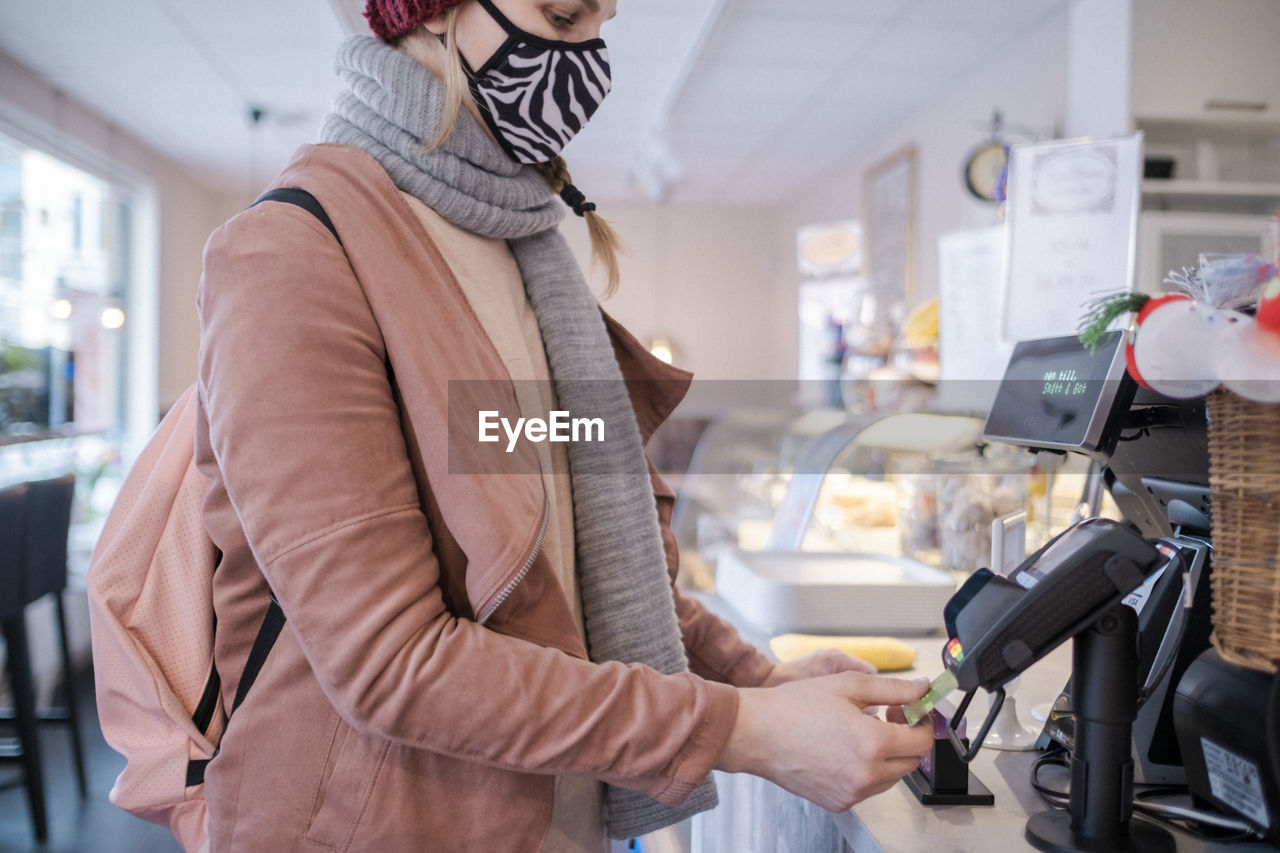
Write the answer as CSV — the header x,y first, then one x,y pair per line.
x,y
390,19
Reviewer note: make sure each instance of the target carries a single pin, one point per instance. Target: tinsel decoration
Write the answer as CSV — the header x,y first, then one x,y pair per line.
x,y
1100,313
1223,281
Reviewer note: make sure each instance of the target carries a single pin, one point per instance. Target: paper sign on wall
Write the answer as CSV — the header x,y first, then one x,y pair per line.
x,y
1072,215
969,282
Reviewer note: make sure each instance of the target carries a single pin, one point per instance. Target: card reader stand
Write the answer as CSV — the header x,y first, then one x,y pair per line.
x,y
1105,695
943,779
1072,588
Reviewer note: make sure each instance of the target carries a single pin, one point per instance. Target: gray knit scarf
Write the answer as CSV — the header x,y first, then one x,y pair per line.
x,y
391,108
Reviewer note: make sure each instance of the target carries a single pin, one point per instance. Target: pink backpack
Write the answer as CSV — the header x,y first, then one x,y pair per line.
x,y
151,618
151,621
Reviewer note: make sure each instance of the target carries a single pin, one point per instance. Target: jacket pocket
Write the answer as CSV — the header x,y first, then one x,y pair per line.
x,y
346,784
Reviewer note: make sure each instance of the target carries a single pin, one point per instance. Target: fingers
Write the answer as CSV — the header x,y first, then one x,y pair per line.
x,y
900,767
832,661
859,665
910,741
898,741
830,751
879,690
815,665
889,772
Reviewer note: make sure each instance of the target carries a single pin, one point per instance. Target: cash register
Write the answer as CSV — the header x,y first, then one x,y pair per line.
x,y
1148,701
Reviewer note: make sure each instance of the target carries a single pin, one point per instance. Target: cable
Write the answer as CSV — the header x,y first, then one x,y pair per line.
x,y
1200,823
1058,758
1182,813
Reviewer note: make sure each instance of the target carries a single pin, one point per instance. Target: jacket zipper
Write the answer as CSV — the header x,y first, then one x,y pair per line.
x,y
528,564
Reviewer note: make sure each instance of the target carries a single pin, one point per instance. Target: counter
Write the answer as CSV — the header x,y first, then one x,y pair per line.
x,y
755,815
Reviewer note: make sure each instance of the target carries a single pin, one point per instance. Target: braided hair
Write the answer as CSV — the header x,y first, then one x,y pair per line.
x,y
605,245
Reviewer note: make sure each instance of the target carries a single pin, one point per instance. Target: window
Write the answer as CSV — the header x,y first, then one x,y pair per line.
x,y
64,273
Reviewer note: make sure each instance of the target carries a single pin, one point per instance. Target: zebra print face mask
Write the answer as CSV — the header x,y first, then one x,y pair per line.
x,y
536,94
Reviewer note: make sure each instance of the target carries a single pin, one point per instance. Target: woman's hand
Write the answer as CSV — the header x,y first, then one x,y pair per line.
x,y
813,738
815,664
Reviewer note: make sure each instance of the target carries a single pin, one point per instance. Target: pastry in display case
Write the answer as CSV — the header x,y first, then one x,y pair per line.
x,y
951,500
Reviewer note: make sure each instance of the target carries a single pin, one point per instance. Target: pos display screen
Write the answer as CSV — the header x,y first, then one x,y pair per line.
x,y
1057,395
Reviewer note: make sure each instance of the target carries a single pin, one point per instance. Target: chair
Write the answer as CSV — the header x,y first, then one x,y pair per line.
x,y
44,548
13,511
34,521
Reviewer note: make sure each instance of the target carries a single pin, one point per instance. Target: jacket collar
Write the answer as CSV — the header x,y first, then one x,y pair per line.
x,y
655,387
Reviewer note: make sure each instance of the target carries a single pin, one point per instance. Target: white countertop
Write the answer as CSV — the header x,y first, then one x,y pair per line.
x,y
896,822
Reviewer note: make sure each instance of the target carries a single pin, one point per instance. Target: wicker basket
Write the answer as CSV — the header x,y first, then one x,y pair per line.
x,y
1244,477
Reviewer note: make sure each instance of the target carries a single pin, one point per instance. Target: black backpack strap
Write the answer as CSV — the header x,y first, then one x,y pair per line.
x,y
203,715
273,621
303,199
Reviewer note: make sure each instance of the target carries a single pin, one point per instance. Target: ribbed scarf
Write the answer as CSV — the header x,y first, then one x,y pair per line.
x,y
391,108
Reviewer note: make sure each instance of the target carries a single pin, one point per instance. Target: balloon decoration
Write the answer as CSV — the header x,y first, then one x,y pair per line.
x,y
1187,343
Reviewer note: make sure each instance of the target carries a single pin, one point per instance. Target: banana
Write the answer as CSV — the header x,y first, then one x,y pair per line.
x,y
885,653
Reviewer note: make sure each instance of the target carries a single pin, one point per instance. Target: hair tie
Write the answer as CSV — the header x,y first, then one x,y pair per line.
x,y
576,200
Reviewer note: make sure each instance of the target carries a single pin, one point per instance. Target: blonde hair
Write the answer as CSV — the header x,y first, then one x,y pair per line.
x,y
605,243
455,82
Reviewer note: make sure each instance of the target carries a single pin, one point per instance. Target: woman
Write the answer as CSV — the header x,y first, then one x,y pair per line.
x,y
434,690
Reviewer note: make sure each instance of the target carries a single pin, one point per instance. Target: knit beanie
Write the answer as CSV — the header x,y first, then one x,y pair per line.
x,y
390,19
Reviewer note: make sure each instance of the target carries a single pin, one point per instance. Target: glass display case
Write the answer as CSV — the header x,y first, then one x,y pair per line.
x,y
907,489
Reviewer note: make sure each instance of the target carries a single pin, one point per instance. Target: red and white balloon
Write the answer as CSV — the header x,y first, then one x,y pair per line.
x,y
1169,346
1183,348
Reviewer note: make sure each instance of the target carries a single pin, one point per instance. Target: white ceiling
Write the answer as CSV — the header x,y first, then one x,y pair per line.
x,y
714,101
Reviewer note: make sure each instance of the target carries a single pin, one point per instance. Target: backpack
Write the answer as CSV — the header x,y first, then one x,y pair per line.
x,y
150,587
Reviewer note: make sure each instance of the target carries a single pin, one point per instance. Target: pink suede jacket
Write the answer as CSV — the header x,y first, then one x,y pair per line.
x,y
425,693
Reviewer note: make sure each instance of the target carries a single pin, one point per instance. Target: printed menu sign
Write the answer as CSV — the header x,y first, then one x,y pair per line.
x,y
1072,215
969,284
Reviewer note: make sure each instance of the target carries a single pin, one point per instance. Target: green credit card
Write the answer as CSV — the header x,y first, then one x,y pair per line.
x,y
938,690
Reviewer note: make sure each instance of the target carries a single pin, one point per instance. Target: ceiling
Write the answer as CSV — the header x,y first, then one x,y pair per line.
x,y
714,101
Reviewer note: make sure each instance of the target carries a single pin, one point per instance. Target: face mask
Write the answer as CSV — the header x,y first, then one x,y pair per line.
x,y
536,94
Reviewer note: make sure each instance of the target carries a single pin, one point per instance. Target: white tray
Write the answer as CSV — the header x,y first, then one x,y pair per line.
x,y
833,593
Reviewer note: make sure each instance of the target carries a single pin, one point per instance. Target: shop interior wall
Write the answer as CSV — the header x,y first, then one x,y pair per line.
x,y
708,279
1026,81
181,251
